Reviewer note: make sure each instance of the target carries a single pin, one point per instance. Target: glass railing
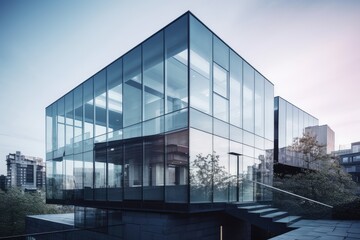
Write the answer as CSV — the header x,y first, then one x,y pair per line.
x,y
293,204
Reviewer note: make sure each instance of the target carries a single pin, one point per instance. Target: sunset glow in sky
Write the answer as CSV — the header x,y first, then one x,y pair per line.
x,y
309,49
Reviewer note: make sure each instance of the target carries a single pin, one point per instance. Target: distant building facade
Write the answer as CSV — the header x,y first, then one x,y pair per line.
x,y
3,182
290,123
324,135
25,172
350,160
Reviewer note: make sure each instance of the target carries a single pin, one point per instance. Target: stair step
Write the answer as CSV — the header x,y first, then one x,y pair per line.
x,y
252,207
288,219
264,211
275,215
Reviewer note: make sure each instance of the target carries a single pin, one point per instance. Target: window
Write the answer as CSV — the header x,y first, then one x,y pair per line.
x,y
200,64
235,89
115,100
248,98
176,55
259,104
220,81
78,119
153,76
88,103
132,87
100,105
153,174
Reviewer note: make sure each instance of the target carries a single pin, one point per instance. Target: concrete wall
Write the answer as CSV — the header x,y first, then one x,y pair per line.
x,y
148,226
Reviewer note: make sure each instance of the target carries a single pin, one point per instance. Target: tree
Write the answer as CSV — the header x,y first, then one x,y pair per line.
x,y
311,150
206,172
329,183
15,205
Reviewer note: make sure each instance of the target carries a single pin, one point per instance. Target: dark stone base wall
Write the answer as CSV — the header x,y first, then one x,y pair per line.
x,y
155,226
202,226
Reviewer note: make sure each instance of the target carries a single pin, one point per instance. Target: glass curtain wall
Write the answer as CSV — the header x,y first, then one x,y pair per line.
x,y
231,110
164,115
291,124
123,133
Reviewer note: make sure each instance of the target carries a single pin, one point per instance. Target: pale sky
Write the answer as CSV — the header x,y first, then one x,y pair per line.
x,y
309,49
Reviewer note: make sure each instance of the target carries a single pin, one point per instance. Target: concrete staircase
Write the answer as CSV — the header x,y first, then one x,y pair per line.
x,y
264,216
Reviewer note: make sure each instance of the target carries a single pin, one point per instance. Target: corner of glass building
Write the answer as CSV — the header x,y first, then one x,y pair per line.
x,y
158,123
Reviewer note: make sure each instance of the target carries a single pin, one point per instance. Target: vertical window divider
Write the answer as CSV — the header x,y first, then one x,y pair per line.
x,y
188,107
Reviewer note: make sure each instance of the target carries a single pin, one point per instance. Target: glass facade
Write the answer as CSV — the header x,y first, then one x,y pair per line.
x,y
290,123
158,124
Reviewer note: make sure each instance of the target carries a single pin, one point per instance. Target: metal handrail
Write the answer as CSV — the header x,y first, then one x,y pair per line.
x,y
290,193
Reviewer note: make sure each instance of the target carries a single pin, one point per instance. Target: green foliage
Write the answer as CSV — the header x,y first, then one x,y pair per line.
x,y
206,170
348,211
15,205
311,151
329,184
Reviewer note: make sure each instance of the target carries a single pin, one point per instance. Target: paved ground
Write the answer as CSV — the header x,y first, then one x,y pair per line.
x,y
323,230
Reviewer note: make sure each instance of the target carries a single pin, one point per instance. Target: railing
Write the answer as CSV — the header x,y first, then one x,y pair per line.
x,y
290,202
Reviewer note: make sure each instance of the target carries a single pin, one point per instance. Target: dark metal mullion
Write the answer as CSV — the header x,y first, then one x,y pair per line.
x,y
188,107
163,117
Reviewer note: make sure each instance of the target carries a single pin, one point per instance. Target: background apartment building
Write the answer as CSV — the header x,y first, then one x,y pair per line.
x,y
25,172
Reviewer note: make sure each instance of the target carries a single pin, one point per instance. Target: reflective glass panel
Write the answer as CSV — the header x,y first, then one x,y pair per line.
x,y
200,92
200,64
133,161
60,128
221,108
221,169
248,100
269,110
132,87
221,128
235,89
220,81
236,134
247,178
56,185
88,102
259,104
176,55
100,172
78,176
201,171
176,120
49,132
153,169
78,119
153,126
221,53
177,160
115,171
69,180
115,97
153,76
200,48
200,121
88,175
69,123
234,168
100,103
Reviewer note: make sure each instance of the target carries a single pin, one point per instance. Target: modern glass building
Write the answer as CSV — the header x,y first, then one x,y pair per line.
x,y
153,129
290,123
